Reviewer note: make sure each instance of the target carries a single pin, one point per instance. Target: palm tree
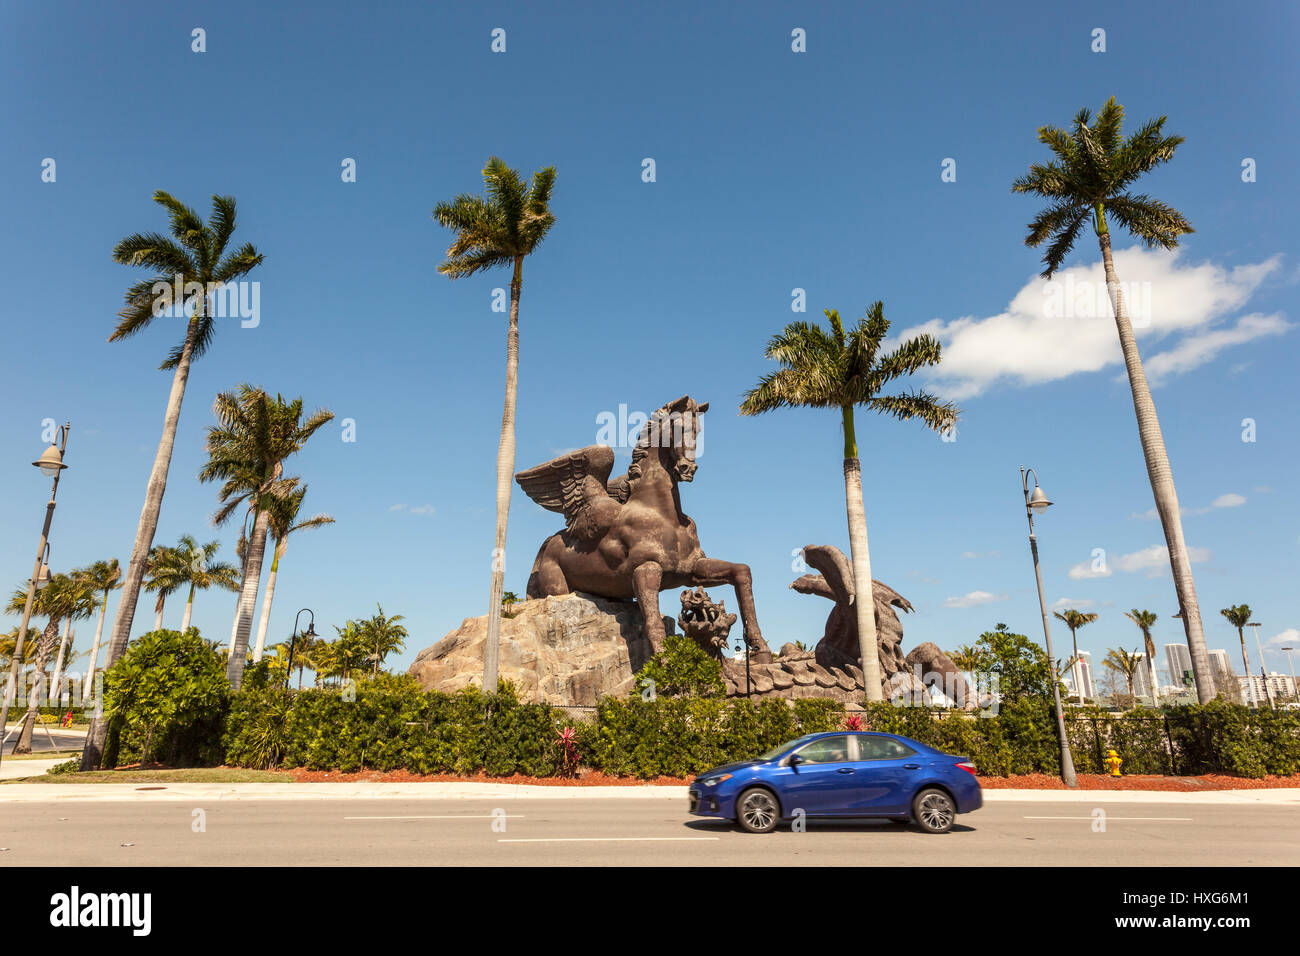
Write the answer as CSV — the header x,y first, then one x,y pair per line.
x,y
967,658
1125,663
196,253
1239,616
1074,620
384,634
842,370
198,570
508,600
55,602
102,577
247,448
307,654
284,522
492,231
166,575
79,603
1145,620
1092,176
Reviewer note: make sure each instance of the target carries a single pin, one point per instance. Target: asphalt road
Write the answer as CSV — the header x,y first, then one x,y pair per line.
x,y
625,832
56,739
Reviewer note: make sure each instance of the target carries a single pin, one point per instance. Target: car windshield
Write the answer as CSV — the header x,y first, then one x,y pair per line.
x,y
785,747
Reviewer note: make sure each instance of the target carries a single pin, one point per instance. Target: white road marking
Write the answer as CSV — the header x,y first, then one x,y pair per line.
x,y
604,839
1110,818
449,816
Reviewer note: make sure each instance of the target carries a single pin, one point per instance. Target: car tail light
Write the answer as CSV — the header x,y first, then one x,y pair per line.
x,y
967,766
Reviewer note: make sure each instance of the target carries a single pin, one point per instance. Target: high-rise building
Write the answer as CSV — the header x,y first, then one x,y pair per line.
x,y
1220,662
1084,671
1180,665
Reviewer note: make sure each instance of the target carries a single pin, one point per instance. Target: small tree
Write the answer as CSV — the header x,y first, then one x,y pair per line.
x,y
1021,666
681,669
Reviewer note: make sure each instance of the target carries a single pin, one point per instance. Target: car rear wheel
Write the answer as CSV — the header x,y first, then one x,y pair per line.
x,y
934,811
757,810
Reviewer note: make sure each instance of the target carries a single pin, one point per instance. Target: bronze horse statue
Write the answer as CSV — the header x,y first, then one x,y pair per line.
x,y
628,537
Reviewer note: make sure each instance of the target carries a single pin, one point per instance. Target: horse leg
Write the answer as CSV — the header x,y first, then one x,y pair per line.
x,y
646,579
711,571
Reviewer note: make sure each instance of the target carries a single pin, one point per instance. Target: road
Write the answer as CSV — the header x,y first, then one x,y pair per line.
x,y
390,832
55,739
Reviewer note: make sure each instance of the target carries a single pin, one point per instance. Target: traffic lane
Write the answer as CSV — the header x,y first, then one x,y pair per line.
x,y
626,832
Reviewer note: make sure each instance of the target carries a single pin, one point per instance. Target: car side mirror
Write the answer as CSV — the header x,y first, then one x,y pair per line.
x,y
793,761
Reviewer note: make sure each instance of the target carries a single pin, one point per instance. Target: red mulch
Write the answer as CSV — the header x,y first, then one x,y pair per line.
x,y
1035,781
1096,781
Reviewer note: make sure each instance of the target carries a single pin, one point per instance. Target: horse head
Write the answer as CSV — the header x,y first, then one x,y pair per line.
x,y
673,432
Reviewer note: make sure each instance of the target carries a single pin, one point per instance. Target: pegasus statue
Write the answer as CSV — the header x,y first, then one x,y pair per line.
x,y
627,537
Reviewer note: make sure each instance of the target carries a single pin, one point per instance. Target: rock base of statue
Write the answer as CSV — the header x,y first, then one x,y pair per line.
x,y
572,649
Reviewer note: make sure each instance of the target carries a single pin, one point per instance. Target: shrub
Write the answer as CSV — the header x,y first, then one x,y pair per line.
x,y
681,669
166,699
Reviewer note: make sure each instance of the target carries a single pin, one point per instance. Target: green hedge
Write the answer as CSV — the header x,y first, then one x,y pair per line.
x,y
391,724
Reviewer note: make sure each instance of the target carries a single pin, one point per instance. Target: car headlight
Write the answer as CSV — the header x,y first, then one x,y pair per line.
x,y
714,781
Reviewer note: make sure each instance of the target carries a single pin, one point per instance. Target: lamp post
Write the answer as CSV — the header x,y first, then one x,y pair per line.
x,y
1037,501
311,633
745,647
52,466
1295,691
1263,672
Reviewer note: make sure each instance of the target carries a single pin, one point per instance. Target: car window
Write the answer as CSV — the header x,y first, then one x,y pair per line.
x,y
882,748
826,750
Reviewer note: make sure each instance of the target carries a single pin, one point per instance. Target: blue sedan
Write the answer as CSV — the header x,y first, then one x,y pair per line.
x,y
841,775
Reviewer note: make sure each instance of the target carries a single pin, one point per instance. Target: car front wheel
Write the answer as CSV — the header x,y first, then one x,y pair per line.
x,y
934,811
757,810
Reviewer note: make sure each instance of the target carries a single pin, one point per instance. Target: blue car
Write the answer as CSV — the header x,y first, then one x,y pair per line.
x,y
841,774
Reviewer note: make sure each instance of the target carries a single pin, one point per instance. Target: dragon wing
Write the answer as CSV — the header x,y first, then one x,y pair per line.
x,y
835,568
567,484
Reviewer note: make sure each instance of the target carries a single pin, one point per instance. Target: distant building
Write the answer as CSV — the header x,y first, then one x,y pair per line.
x,y
1180,665
1220,662
1083,671
1252,687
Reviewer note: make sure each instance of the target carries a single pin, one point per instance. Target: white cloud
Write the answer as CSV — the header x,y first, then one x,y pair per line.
x,y
974,598
422,510
1063,603
396,507
1152,561
971,555
1288,638
1052,330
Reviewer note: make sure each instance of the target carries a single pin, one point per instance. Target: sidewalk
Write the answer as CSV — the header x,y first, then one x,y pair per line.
x,y
212,792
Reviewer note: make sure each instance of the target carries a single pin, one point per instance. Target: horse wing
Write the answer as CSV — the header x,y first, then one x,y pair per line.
x,y
566,484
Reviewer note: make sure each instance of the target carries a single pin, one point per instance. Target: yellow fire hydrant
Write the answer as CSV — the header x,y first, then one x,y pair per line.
x,y
1113,760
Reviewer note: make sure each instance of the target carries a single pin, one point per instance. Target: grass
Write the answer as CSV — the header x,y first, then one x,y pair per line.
x,y
187,775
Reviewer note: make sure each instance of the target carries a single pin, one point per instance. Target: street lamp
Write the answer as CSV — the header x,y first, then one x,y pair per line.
x,y
1037,502
1295,691
1263,672
52,466
311,633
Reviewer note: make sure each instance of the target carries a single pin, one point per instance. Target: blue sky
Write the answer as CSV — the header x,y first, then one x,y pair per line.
x,y
775,170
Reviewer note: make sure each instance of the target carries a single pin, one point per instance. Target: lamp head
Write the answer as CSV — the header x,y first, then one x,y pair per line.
x,y
1038,501
50,463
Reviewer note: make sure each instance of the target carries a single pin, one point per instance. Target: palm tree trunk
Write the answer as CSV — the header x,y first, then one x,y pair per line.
x,y
505,476
145,531
189,610
1151,660
57,684
89,685
260,647
24,743
248,597
158,612
1074,667
864,598
1162,480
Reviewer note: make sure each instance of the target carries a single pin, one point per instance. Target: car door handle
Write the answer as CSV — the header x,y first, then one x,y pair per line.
x,y
911,766
845,770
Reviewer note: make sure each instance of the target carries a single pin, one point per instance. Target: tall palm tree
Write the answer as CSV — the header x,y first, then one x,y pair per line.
x,y
247,449
1125,663
196,252
1145,620
1239,616
1091,177
283,523
54,602
102,577
382,635
165,576
492,231
843,370
967,658
1074,620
